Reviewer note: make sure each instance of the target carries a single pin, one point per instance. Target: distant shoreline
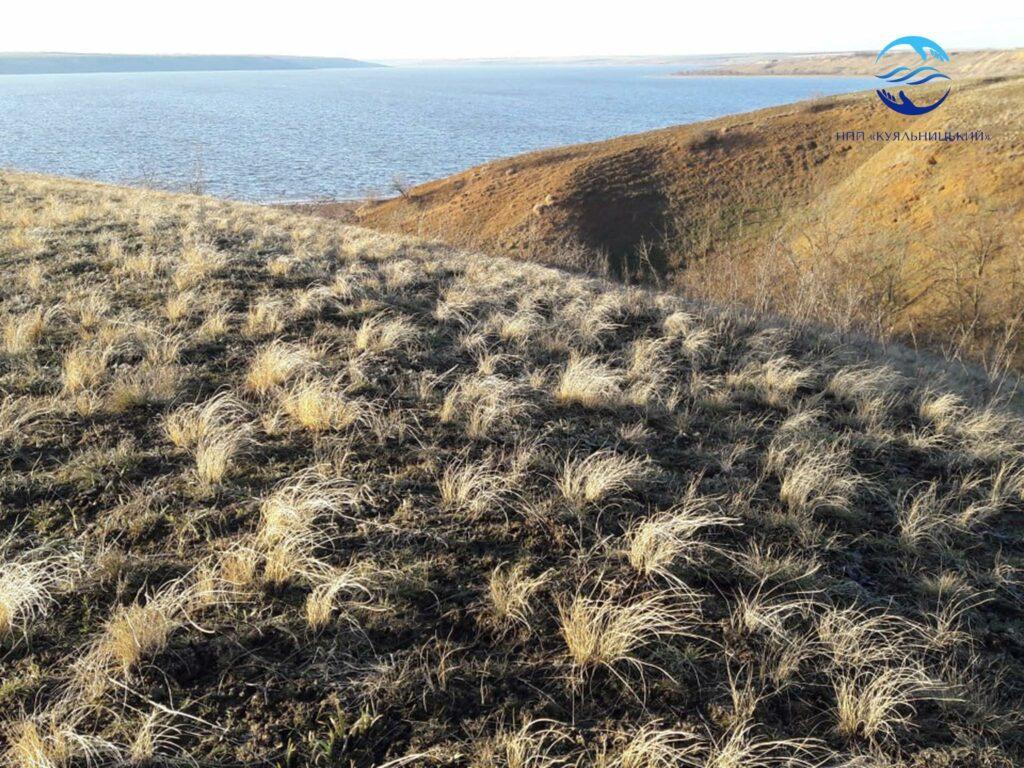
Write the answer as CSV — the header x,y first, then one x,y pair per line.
x,y
95,64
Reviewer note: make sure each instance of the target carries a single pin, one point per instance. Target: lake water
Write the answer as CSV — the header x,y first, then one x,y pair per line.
x,y
348,133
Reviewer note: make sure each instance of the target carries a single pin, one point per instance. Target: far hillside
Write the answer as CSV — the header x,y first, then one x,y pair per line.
x,y
779,209
982,63
81,63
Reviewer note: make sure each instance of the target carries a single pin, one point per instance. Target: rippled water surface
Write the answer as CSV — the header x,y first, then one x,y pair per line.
x,y
347,133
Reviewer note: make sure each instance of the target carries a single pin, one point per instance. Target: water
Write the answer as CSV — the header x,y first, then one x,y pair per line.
x,y
347,133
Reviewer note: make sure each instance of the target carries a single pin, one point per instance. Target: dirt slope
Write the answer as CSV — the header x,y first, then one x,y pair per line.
x,y
737,190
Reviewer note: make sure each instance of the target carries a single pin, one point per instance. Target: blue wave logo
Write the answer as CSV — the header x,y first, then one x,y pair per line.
x,y
905,76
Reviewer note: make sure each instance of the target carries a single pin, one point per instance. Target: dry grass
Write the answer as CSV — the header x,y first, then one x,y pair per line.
x,y
359,499
487,404
876,704
214,432
603,632
319,405
588,382
340,592
266,316
196,264
84,367
276,363
818,478
511,590
472,487
595,477
23,331
657,545
383,333
19,416
190,424
293,522
28,587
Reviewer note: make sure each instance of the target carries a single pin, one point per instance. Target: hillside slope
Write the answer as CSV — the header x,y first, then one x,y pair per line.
x,y
761,198
276,491
980,63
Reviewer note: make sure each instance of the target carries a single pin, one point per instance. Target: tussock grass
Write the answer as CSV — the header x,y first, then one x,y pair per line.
x,y
276,363
600,631
487,404
588,382
293,523
266,316
511,590
84,367
383,333
815,477
190,424
28,587
471,487
340,592
197,263
214,432
875,705
319,405
23,331
598,476
19,416
655,545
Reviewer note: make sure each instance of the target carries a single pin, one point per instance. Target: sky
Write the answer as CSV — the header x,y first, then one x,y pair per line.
x,y
456,29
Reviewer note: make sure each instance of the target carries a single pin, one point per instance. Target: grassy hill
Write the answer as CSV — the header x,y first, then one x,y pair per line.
x,y
278,491
779,209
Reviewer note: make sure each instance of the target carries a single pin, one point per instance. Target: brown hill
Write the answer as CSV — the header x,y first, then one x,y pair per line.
x,y
983,63
782,208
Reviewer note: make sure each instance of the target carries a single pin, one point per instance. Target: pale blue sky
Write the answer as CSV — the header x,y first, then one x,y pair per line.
x,y
375,30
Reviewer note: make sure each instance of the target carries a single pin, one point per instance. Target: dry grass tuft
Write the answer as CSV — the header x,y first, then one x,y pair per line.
x,y
266,316
339,592
487,404
603,473
197,263
84,367
23,331
587,382
18,417
293,523
654,546
319,405
511,589
815,477
472,487
875,704
276,363
28,585
384,333
603,632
